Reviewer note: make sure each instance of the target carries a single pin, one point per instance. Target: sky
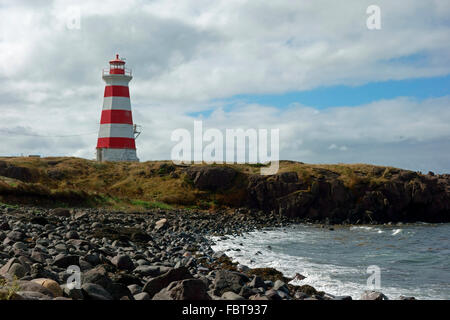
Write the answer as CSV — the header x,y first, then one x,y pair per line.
x,y
337,91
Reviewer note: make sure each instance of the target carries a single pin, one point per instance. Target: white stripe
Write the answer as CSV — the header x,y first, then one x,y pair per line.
x,y
116,103
117,80
116,130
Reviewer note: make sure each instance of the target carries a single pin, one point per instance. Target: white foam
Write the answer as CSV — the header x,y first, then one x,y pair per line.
x,y
256,253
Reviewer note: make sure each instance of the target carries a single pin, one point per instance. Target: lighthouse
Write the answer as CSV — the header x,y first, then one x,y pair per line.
x,y
116,137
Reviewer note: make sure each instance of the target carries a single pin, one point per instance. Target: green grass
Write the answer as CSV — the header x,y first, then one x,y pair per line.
x,y
13,206
8,290
151,204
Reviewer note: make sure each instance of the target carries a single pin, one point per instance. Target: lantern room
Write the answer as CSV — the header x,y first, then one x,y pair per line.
x,y
117,66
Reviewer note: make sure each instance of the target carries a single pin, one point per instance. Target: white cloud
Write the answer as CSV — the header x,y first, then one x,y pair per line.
x,y
187,55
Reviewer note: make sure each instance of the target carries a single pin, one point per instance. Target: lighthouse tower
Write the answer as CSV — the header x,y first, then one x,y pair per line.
x,y
116,140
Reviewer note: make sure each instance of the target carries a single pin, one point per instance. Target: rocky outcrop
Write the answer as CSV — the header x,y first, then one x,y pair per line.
x,y
211,177
401,196
15,172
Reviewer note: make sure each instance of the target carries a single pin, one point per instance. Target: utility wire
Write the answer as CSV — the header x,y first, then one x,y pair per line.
x,y
45,136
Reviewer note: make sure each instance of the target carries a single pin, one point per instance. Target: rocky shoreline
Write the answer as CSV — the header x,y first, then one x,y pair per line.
x,y
152,255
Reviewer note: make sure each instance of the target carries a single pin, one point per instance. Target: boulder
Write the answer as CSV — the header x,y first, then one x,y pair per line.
x,y
152,271
118,291
228,281
142,296
17,271
280,285
373,295
189,289
94,291
16,235
98,275
33,295
259,297
39,220
72,292
134,289
51,285
64,261
247,291
156,284
230,295
257,282
123,262
72,235
161,224
60,212
273,295
30,286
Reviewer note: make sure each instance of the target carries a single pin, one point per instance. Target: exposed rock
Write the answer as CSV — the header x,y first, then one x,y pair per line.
x,y
72,292
229,281
160,224
280,285
16,235
98,275
273,294
189,289
15,172
257,282
33,295
123,262
72,235
142,296
51,285
211,177
39,220
64,261
134,289
230,295
95,292
156,284
30,286
373,295
17,270
247,292
60,212
4,270
259,297
152,271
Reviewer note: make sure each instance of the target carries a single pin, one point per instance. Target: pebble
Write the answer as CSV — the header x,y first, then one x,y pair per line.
x,y
132,256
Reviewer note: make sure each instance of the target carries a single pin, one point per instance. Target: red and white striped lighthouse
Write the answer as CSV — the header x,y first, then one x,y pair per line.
x,y
116,140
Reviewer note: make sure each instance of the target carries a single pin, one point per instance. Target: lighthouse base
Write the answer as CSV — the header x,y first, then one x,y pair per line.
x,y
110,154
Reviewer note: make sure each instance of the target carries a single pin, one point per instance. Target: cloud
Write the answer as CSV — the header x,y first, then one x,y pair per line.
x,y
187,56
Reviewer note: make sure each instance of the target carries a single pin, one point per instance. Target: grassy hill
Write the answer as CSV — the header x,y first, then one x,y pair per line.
x,y
68,181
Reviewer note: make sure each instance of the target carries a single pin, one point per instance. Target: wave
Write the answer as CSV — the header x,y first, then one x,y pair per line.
x,y
298,249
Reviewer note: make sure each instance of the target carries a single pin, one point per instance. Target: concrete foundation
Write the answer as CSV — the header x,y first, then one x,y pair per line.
x,y
110,154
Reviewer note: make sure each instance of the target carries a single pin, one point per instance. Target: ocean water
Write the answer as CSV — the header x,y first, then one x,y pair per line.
x,y
413,259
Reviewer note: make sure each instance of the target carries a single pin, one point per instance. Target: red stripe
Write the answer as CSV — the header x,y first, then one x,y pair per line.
x,y
117,143
117,91
116,116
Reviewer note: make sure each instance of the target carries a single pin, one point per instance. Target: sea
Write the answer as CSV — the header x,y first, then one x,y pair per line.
x,y
398,260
